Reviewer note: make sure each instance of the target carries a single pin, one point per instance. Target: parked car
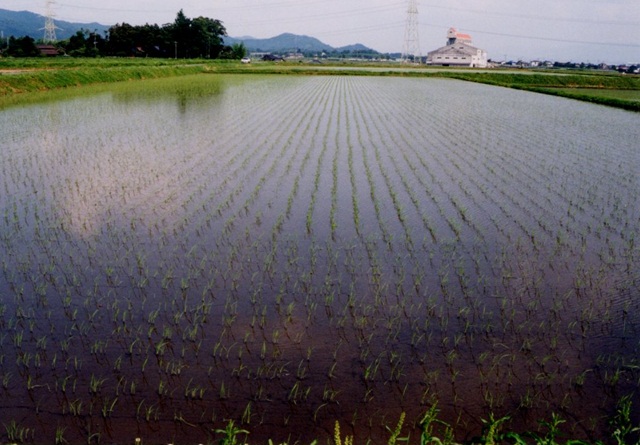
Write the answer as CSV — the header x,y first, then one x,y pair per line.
x,y
245,60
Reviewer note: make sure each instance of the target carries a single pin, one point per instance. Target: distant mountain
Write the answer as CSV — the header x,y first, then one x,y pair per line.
x,y
358,47
25,23
287,42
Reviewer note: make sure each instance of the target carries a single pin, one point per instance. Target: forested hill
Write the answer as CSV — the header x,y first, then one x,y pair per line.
x,y
25,23
291,43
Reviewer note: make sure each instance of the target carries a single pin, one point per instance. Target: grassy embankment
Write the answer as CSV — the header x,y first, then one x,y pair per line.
x,y
31,75
616,90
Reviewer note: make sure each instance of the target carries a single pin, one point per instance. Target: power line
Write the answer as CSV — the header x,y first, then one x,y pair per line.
x,y
387,7
94,8
536,17
390,6
338,14
390,25
549,39
582,42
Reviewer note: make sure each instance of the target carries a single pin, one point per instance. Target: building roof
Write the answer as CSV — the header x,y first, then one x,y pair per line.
x,y
454,36
462,36
462,49
47,50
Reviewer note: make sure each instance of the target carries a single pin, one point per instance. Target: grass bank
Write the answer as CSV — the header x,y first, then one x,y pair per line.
x,y
615,90
32,76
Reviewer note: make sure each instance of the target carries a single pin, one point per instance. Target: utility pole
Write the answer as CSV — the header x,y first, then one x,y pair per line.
x,y
411,39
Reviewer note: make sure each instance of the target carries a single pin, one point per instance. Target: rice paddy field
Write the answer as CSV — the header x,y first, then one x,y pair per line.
x,y
288,251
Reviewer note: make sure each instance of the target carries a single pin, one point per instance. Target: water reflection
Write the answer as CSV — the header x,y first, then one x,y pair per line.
x,y
188,91
110,145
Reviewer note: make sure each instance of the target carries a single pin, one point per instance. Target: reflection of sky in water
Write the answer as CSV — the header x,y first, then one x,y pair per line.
x,y
110,157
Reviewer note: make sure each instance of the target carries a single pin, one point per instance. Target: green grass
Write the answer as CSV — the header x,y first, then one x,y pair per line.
x,y
611,89
627,95
549,79
627,100
73,62
31,75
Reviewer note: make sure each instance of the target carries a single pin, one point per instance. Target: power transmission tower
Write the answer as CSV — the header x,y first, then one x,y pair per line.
x,y
411,47
49,25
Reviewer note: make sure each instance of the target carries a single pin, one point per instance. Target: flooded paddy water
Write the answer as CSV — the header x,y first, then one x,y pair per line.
x,y
285,252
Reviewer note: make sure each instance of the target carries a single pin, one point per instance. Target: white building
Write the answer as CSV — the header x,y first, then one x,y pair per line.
x,y
458,52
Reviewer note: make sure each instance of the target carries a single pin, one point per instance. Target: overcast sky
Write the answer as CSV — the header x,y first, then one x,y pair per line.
x,y
564,30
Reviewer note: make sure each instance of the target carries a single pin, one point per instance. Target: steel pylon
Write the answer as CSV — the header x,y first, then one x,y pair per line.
x,y
411,47
49,25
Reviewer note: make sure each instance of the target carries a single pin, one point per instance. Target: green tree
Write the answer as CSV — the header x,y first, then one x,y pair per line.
x,y
207,37
200,37
76,44
182,35
236,51
22,47
84,43
154,40
122,39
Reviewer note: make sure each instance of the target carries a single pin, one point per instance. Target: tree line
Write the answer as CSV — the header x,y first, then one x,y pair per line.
x,y
201,37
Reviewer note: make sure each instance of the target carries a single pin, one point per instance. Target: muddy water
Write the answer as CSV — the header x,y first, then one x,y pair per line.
x,y
288,252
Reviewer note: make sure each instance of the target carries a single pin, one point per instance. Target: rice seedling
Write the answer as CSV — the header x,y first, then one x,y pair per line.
x,y
108,407
18,433
59,436
487,267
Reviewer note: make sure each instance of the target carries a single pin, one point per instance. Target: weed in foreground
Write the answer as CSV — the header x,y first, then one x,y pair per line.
x,y
395,434
437,432
348,440
230,434
428,425
623,428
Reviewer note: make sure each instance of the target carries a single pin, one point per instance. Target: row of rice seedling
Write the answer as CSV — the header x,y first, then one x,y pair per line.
x,y
281,261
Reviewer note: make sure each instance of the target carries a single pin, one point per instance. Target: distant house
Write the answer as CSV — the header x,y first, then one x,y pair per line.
x,y
271,58
458,52
48,50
